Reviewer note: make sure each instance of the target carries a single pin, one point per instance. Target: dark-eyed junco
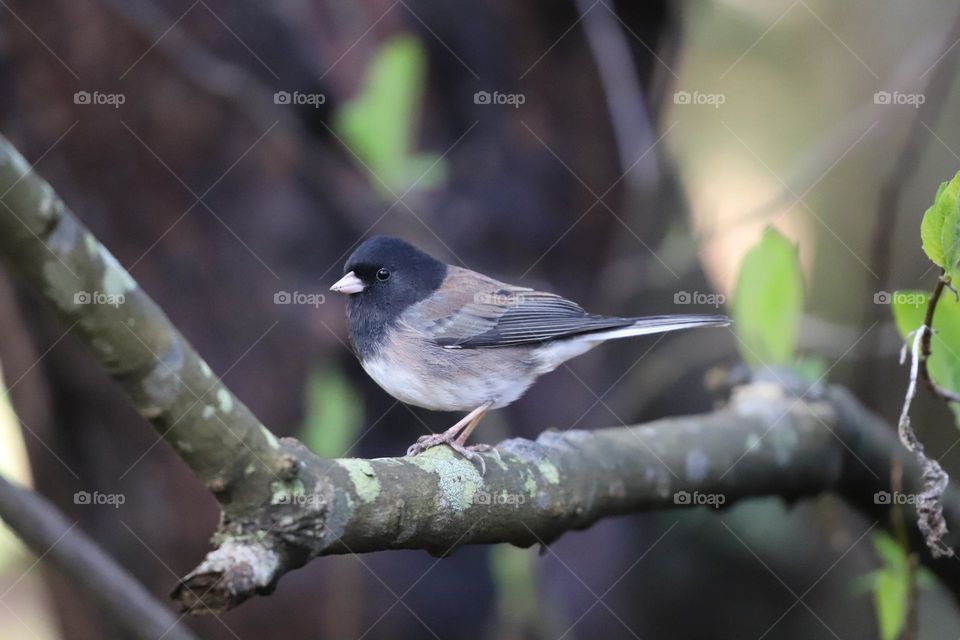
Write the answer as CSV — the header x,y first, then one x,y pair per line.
x,y
450,339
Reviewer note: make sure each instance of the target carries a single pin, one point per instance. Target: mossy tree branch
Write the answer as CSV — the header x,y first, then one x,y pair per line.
x,y
283,506
51,252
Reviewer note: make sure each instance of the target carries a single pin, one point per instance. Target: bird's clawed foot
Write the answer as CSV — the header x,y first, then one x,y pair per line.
x,y
470,453
455,437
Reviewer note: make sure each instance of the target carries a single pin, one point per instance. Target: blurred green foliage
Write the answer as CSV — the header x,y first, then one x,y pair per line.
x,y
516,587
333,414
890,585
768,301
379,124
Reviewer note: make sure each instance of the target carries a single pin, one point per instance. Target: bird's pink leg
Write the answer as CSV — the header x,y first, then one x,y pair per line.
x,y
455,436
477,414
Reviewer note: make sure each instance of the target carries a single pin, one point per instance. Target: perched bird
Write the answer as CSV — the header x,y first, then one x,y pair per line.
x,y
446,338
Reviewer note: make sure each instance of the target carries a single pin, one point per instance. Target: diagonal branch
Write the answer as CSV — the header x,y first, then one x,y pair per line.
x,y
53,538
165,379
283,506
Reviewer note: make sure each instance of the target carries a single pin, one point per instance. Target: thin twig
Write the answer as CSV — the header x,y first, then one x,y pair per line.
x,y
930,518
941,392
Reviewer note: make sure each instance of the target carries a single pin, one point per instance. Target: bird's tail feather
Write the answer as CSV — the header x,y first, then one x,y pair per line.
x,y
658,324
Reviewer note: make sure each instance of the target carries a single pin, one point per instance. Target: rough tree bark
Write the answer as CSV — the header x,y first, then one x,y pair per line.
x,y
283,506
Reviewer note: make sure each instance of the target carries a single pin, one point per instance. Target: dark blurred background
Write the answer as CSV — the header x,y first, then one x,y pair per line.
x,y
619,153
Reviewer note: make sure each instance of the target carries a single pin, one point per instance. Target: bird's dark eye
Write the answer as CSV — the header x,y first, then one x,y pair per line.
x,y
382,275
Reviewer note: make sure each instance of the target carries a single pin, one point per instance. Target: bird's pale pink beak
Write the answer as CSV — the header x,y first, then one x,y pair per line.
x,y
348,284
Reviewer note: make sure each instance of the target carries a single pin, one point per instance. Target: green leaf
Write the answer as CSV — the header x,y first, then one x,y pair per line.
x,y
379,124
909,310
890,586
768,301
890,599
333,415
940,228
931,227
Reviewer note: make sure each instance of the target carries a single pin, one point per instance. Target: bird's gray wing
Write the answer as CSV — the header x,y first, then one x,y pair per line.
x,y
500,315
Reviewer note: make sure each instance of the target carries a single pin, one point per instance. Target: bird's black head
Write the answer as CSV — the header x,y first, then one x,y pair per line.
x,y
383,278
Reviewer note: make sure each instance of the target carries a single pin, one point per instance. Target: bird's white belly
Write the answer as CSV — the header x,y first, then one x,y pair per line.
x,y
462,391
